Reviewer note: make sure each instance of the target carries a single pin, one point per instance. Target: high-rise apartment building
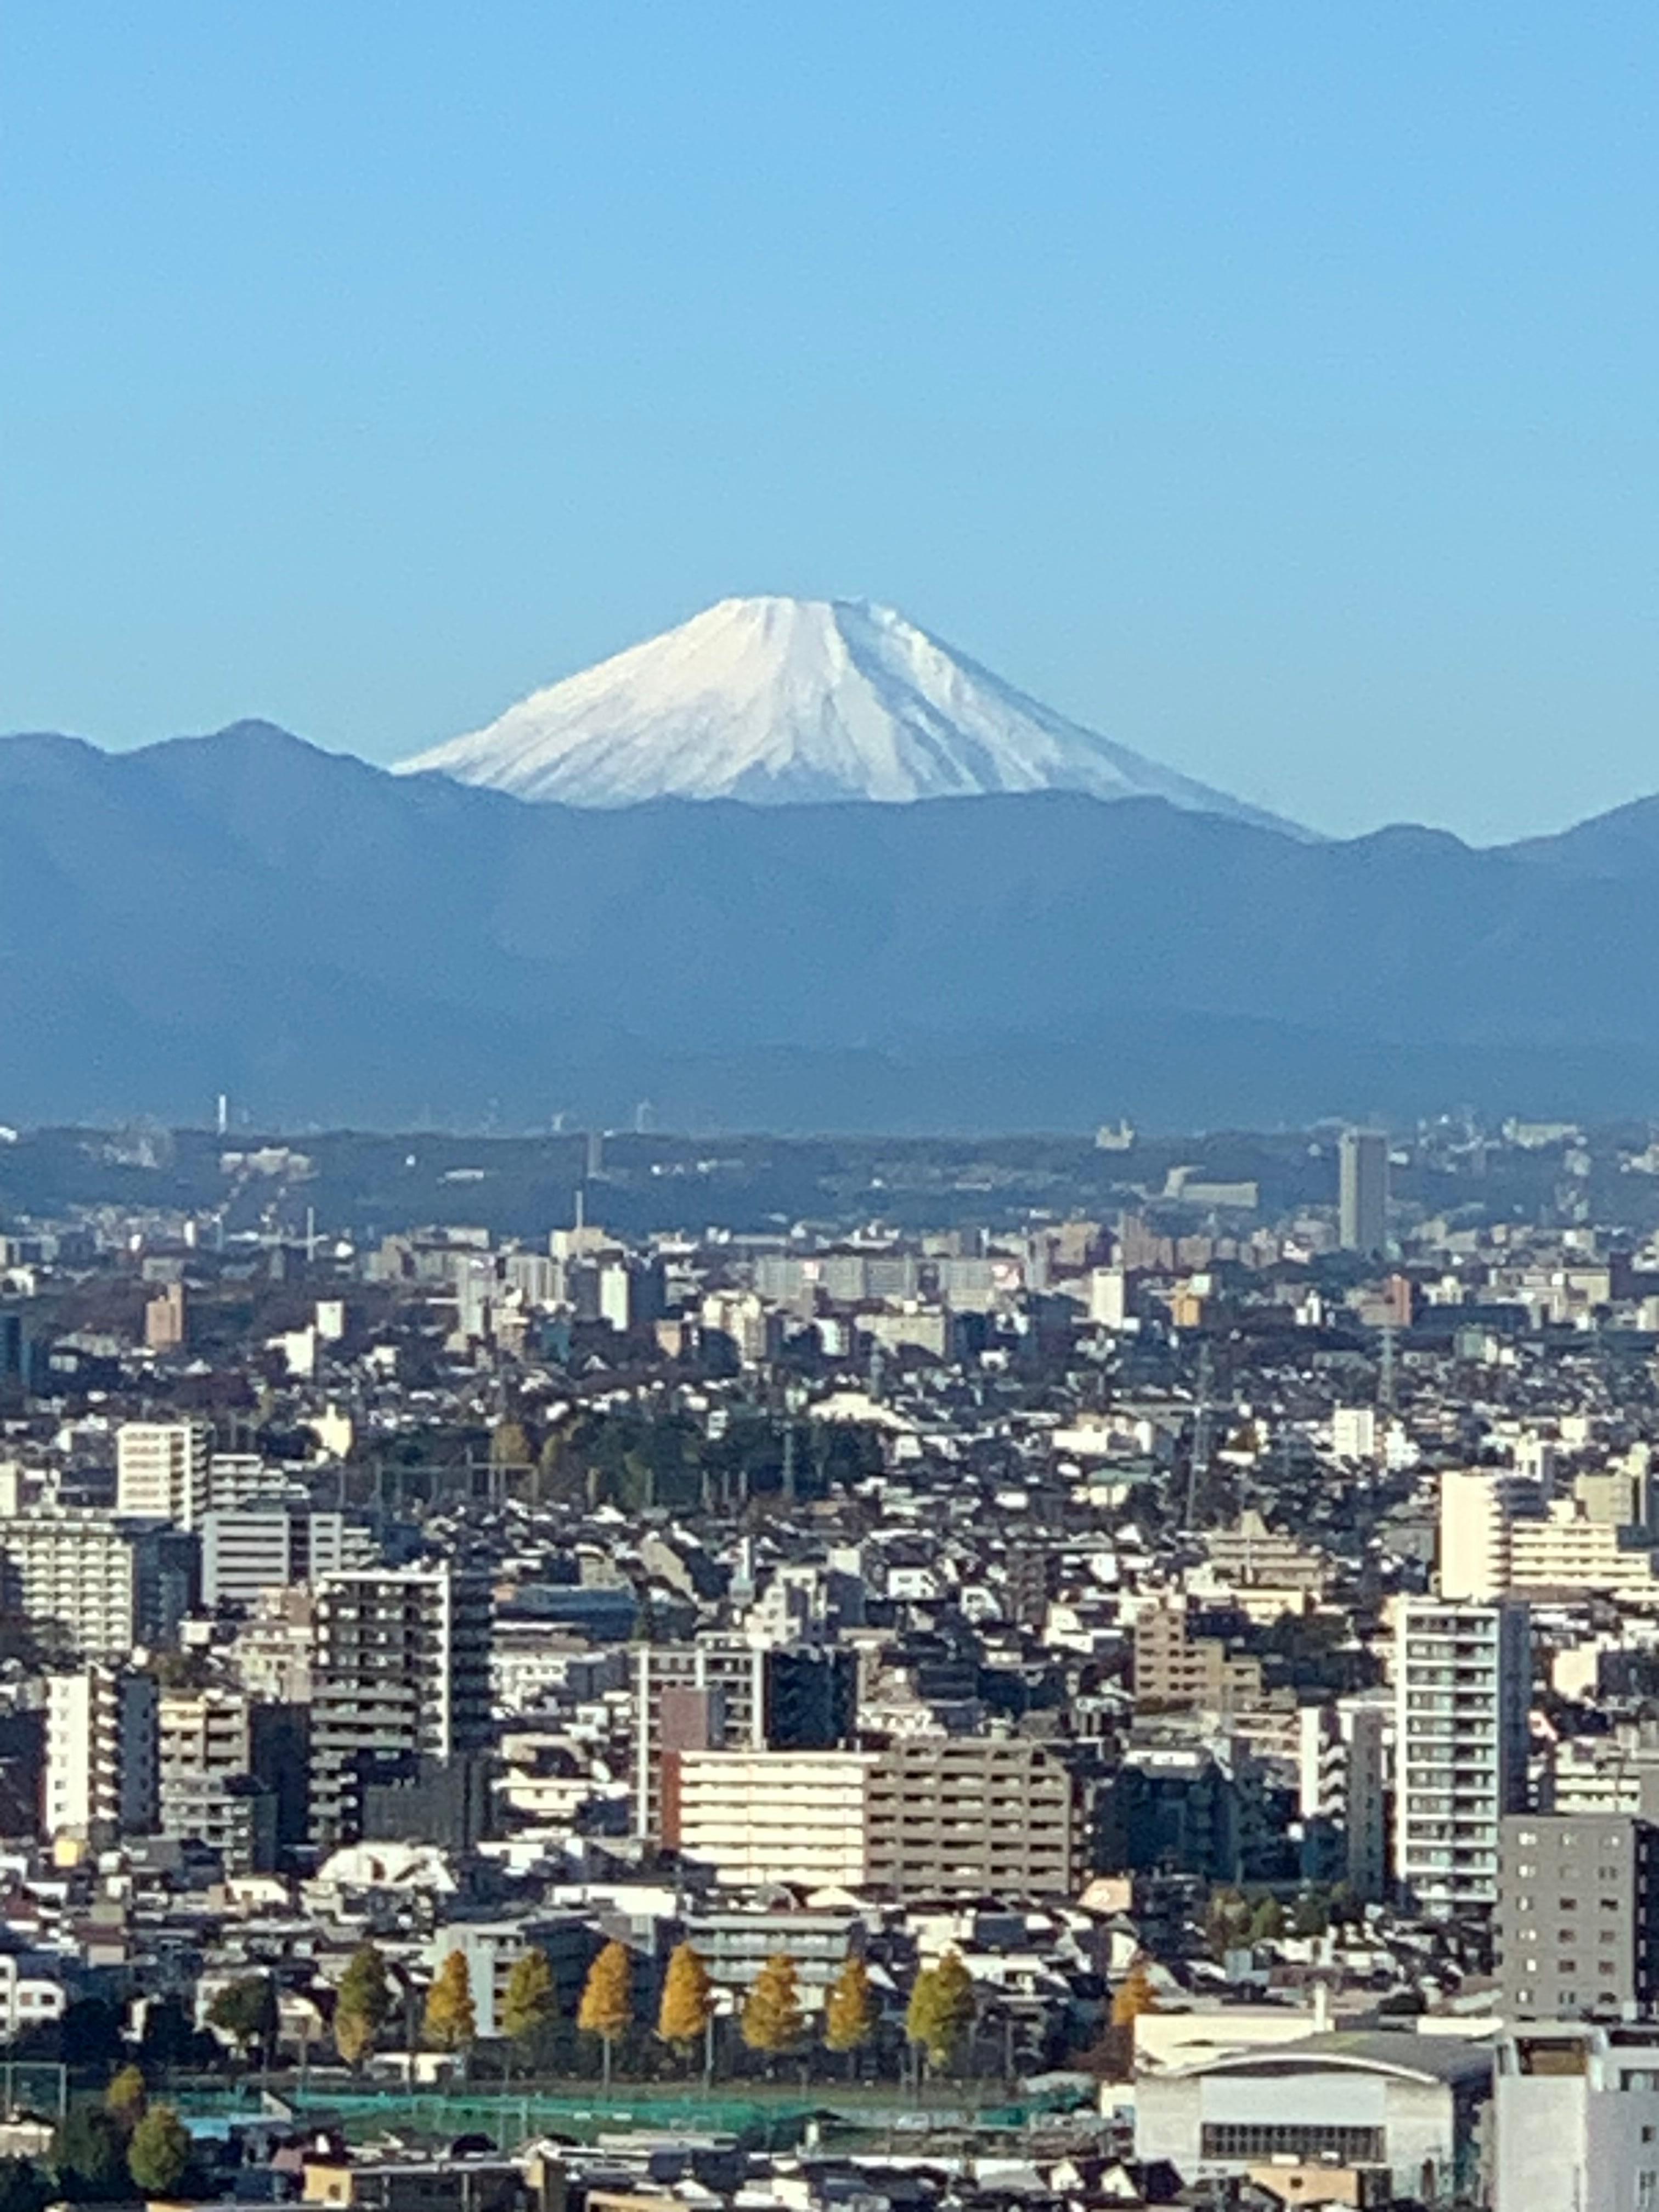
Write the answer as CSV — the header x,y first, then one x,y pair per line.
x,y
1342,1795
230,1775
1463,1688
162,1471
400,1683
100,1777
723,1693
270,1546
1577,1922
1477,1506
1363,1190
88,1585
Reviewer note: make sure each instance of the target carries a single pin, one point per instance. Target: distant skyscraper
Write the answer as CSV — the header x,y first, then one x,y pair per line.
x,y
1364,1191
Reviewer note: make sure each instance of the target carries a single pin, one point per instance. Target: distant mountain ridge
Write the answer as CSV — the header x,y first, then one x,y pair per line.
x,y
778,702
332,943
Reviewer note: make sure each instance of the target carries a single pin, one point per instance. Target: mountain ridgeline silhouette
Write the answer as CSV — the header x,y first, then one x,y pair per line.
x,y
333,943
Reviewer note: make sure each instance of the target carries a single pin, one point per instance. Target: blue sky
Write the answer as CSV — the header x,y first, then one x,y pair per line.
x,y
1271,386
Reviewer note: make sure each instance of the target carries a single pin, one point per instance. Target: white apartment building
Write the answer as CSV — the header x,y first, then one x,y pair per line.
x,y
1463,1688
1354,1432
101,1767
762,1817
76,1577
1577,2119
1478,1506
236,1479
1108,1298
1499,1537
26,1998
162,1471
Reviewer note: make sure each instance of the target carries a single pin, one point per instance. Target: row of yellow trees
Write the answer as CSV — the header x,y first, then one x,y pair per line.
x,y
771,2021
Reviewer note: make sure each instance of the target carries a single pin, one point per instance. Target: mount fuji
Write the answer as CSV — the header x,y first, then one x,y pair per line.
x,y
782,701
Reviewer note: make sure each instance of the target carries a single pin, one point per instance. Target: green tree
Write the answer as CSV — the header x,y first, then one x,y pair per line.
x,y
607,2005
125,2097
772,2023
451,2021
246,2010
941,2010
530,2003
1312,1916
158,2156
1226,1923
850,2011
687,2010
88,2156
1268,1921
362,2004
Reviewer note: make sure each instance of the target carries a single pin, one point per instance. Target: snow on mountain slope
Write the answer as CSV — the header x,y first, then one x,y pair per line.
x,y
778,702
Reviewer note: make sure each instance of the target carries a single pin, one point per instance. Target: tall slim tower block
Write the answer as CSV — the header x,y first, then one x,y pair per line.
x,y
1363,1190
1463,1687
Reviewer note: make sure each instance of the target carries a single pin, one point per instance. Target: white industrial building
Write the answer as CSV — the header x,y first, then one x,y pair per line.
x,y
1394,2103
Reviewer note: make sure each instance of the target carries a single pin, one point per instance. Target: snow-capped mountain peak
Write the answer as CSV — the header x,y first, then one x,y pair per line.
x,y
780,700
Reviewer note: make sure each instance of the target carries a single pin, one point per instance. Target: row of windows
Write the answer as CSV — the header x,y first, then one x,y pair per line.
x,y
1266,2139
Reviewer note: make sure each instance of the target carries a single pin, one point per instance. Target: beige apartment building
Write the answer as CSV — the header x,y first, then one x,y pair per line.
x,y
1175,1671
956,1815
1498,1538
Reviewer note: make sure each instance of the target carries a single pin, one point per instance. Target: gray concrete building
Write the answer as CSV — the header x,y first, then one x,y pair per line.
x,y
1363,1190
1578,1923
400,1683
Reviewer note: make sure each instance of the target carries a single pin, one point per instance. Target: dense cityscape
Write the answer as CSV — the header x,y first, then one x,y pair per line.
x,y
1029,1706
